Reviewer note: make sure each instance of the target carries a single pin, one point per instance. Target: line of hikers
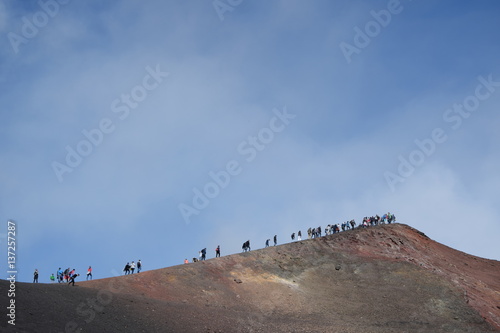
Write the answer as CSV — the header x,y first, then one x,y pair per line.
x,y
334,228
202,255
313,233
275,240
69,275
130,267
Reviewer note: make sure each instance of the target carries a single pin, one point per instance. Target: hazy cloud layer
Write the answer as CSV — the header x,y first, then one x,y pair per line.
x,y
90,78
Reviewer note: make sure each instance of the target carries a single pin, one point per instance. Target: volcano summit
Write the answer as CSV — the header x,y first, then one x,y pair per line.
x,y
387,278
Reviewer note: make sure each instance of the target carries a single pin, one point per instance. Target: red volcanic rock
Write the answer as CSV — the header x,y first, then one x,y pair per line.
x,y
389,278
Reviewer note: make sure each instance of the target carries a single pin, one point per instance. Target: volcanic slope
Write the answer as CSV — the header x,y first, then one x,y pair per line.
x,y
388,278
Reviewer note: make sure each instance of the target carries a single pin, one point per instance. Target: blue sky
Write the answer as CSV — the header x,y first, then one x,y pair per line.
x,y
263,94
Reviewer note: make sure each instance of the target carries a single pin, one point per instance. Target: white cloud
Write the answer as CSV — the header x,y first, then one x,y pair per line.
x,y
353,121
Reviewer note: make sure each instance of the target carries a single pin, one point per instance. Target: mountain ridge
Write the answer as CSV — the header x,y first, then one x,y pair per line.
x,y
387,278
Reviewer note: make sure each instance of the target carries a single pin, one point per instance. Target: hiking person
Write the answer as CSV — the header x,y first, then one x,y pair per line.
x,y
59,275
139,266
275,240
52,277
299,235
72,279
89,272
35,276
65,274
126,269
217,252
132,267
267,242
293,236
187,261
203,253
353,223
309,233
246,246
